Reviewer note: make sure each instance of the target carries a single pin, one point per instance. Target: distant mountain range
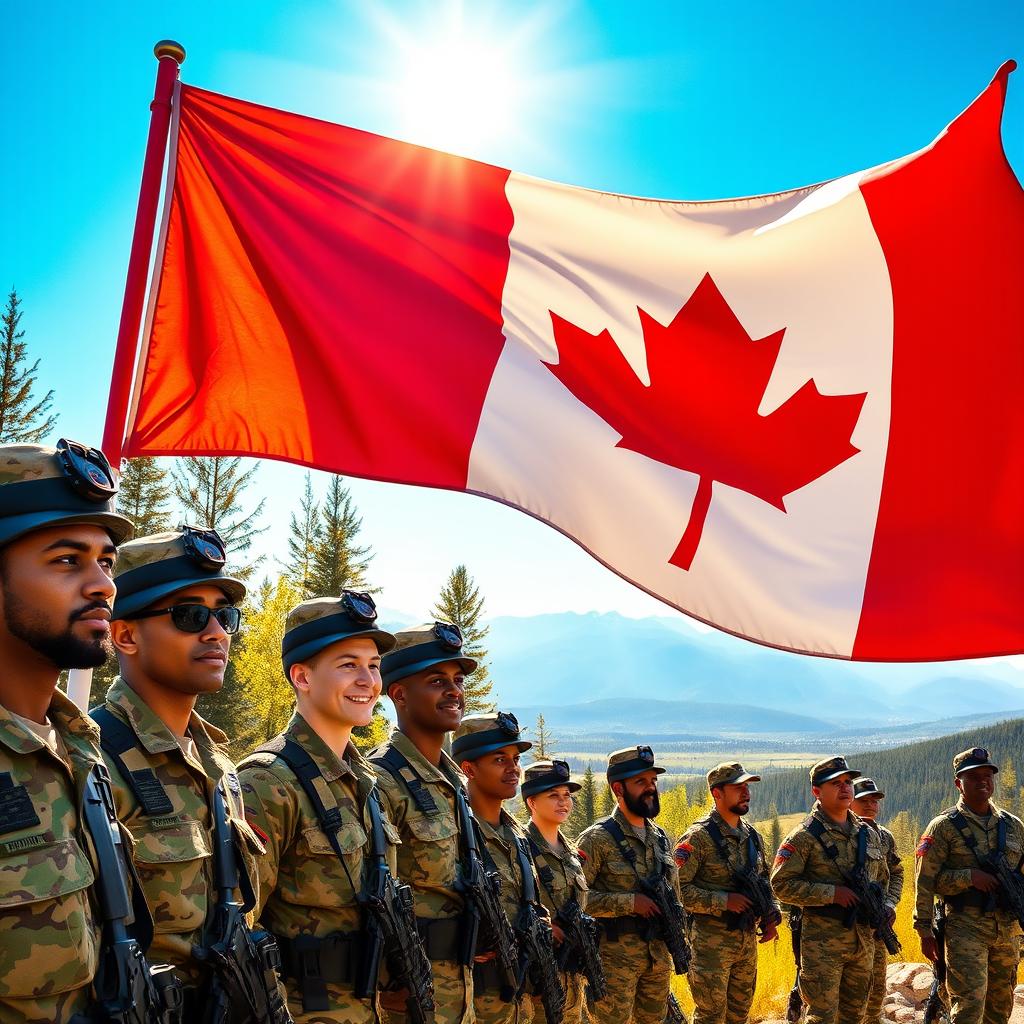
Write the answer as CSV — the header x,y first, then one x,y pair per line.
x,y
556,661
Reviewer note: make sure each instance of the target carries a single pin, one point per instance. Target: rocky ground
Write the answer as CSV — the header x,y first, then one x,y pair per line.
x,y
908,986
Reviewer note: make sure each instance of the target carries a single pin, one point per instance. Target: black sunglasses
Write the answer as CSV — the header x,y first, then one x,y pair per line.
x,y
193,618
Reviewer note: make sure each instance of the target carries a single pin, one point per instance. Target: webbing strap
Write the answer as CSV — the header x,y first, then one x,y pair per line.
x,y
971,841
753,844
398,766
116,739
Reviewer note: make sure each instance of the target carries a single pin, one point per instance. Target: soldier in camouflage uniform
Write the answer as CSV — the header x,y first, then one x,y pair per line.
x,y
867,801
638,967
308,894
982,936
57,549
723,936
424,675
172,624
836,950
547,790
487,749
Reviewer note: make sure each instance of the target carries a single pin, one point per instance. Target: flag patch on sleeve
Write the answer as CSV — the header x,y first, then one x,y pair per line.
x,y
786,850
924,845
682,852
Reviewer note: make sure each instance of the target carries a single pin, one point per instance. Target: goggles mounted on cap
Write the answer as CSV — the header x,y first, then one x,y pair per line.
x,y
449,636
86,470
645,754
560,769
508,723
204,547
980,752
359,607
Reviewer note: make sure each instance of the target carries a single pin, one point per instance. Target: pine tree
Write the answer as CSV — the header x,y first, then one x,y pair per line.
x,y
143,495
24,419
606,802
775,835
210,492
543,742
302,543
338,562
584,811
1007,779
461,603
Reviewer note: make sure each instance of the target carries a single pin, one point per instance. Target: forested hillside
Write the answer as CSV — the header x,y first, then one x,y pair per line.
x,y
916,778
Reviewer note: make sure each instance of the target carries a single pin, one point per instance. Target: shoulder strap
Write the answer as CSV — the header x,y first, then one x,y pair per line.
x,y
526,870
614,829
544,870
817,829
116,739
715,833
397,765
862,846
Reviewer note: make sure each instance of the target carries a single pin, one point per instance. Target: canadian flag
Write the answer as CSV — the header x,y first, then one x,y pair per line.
x,y
798,417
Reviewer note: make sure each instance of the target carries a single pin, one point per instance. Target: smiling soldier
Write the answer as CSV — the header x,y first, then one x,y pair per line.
x,y
173,620
424,675
982,933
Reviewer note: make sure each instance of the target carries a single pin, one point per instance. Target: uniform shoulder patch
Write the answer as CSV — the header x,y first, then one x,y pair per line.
x,y
582,854
682,851
263,837
924,845
786,850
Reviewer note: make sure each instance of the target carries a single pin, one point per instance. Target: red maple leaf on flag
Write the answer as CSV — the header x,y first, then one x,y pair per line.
x,y
699,413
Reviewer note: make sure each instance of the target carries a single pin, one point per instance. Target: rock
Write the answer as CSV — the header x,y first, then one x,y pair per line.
x,y
906,1015
922,983
910,981
1018,995
896,1001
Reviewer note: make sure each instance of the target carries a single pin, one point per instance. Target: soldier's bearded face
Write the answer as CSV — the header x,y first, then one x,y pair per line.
x,y
154,650
56,590
640,795
341,684
433,700
737,798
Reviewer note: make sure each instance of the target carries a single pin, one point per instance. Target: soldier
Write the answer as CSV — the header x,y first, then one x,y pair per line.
x,y
810,871
547,790
173,620
637,965
724,929
308,889
487,748
424,675
982,935
867,801
58,531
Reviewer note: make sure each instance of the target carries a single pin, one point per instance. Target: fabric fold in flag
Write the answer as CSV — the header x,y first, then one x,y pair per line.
x,y
796,417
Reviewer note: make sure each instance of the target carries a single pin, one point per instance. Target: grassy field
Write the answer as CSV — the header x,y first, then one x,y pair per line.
x,y
697,762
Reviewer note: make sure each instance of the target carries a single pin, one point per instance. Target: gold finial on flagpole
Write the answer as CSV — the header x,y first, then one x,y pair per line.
x,y
169,48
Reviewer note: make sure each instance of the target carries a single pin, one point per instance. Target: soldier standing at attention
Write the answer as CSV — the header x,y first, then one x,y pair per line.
x,y
547,790
424,675
810,872
487,749
58,531
308,889
982,935
173,620
724,929
637,965
867,801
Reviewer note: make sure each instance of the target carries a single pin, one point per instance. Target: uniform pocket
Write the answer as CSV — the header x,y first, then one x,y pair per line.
x,y
172,863
432,828
50,937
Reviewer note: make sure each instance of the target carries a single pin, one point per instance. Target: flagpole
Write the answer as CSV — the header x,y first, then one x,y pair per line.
x,y
170,56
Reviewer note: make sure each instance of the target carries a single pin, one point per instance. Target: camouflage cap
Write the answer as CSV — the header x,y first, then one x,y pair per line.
x,y
630,761
422,647
866,787
154,567
831,768
544,775
975,757
729,773
315,624
483,734
42,487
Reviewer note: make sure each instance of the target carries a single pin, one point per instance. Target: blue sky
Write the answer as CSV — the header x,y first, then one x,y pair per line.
x,y
678,100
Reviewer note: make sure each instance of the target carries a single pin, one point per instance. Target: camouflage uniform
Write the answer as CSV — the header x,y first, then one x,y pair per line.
x,y
892,882
173,853
835,960
982,943
638,970
561,876
49,918
428,860
723,972
304,888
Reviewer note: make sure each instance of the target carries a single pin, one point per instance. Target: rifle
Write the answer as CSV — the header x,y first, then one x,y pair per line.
x,y
762,912
1011,884
536,943
674,1012
391,932
245,962
128,989
481,890
795,1005
579,953
670,921
871,907
934,1005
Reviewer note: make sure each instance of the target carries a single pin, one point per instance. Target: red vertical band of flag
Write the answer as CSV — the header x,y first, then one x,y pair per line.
x,y
305,262
947,562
